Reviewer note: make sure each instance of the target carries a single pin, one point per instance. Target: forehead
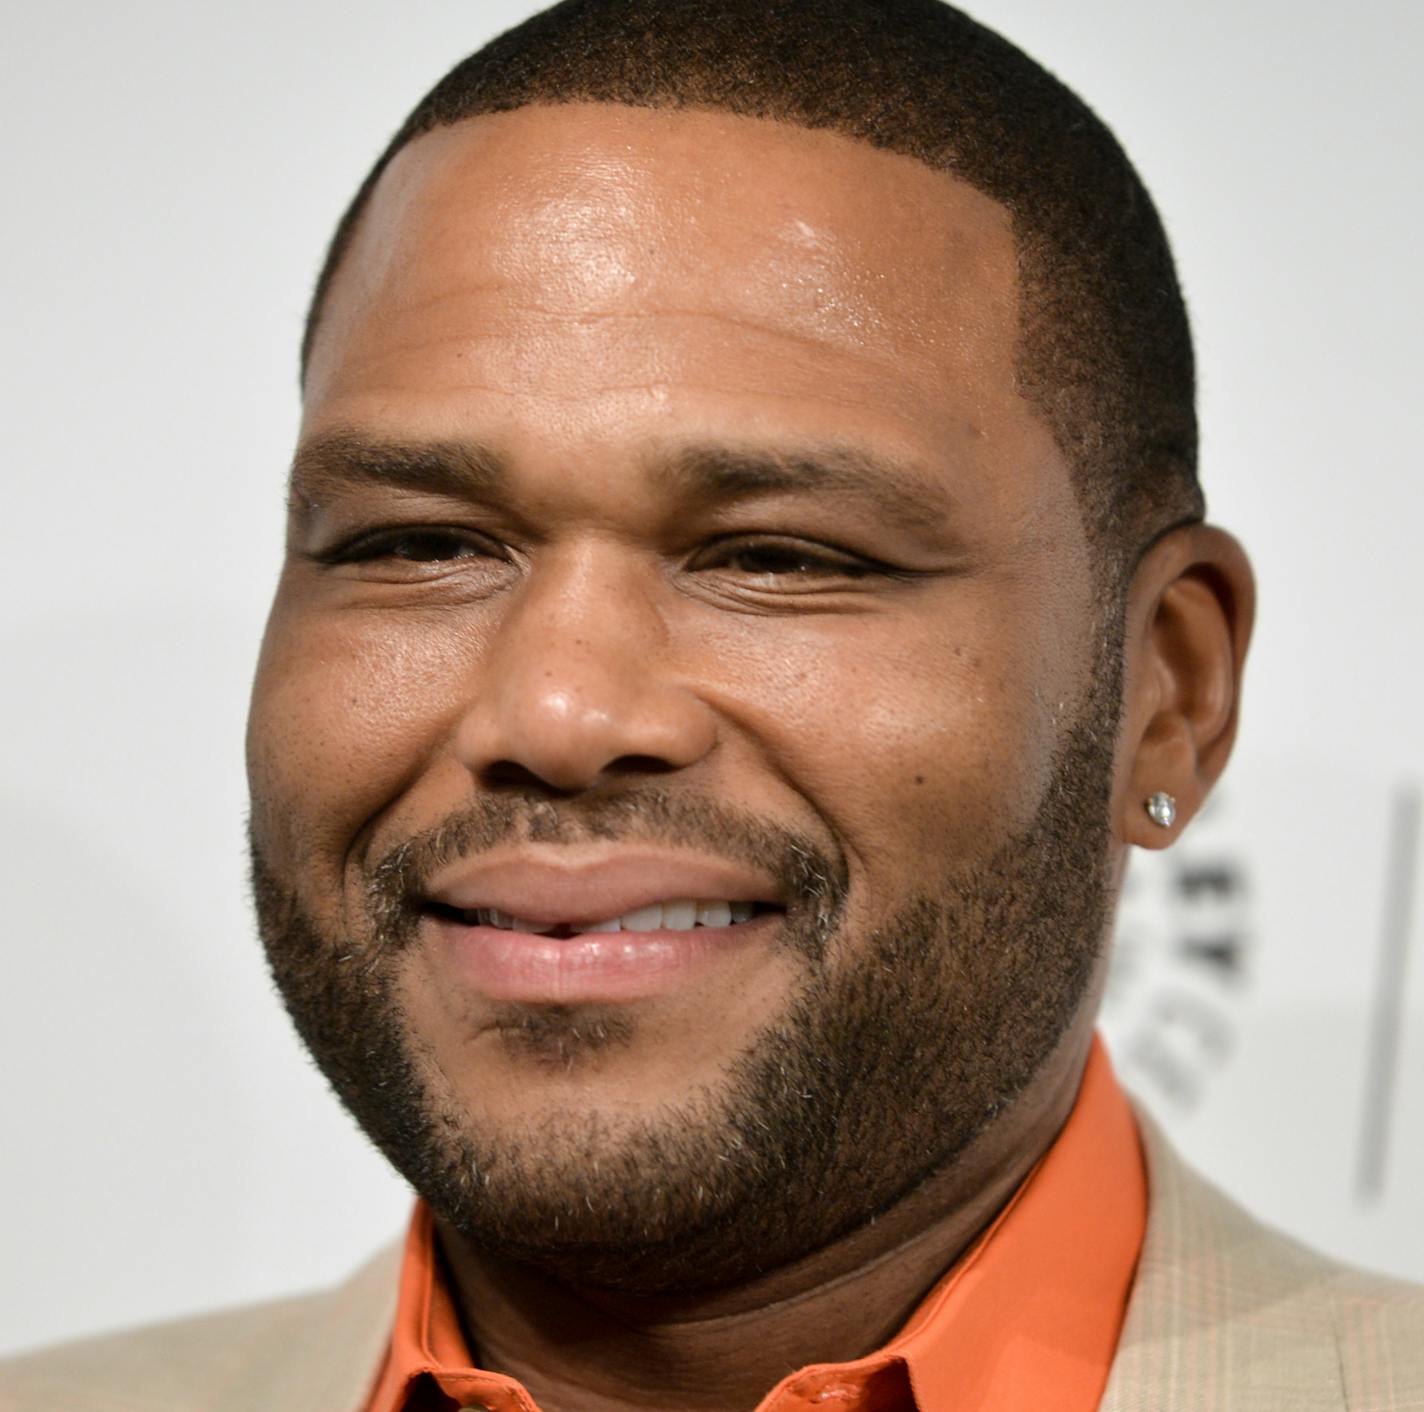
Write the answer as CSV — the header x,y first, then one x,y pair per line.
x,y
612,266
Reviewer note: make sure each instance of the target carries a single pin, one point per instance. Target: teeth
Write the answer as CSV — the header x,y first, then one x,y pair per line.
x,y
643,919
679,915
714,914
493,917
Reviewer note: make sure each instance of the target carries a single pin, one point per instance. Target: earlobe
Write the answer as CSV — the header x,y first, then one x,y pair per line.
x,y
1188,623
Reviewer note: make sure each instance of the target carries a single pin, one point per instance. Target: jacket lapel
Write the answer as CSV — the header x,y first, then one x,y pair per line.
x,y
1226,1315
338,1354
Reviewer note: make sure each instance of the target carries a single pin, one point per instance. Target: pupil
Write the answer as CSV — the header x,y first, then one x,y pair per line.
x,y
774,561
423,548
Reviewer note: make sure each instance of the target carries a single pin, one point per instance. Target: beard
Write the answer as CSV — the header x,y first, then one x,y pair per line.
x,y
902,1044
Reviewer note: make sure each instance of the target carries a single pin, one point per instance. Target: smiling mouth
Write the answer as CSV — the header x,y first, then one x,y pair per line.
x,y
677,915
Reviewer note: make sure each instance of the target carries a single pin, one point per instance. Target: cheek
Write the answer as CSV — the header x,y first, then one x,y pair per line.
x,y
347,711
916,734
918,737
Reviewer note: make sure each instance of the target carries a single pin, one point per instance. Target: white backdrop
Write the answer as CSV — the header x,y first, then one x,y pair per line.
x,y
172,172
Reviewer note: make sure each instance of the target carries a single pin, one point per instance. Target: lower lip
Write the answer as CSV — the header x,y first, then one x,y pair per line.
x,y
594,966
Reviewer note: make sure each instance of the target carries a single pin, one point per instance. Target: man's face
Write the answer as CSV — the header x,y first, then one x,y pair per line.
x,y
667,528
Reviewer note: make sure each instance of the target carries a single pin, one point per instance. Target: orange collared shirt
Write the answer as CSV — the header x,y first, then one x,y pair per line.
x,y
1028,1317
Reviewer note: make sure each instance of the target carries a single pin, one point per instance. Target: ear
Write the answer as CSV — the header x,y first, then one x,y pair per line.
x,y
1189,613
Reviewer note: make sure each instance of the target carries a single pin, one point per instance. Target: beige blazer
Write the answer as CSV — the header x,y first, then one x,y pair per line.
x,y
1226,1316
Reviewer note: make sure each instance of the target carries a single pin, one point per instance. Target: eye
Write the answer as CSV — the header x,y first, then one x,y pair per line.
x,y
783,558
413,544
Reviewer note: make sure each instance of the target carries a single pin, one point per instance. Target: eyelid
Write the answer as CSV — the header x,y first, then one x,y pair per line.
x,y
366,544
832,557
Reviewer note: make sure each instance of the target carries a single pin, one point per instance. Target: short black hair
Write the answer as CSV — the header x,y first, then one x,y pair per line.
x,y
1105,351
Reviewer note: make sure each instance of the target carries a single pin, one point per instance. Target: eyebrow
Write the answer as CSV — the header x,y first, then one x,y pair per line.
x,y
338,459
719,473
712,474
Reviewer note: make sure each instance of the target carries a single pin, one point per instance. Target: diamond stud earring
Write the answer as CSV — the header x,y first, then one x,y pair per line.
x,y
1162,809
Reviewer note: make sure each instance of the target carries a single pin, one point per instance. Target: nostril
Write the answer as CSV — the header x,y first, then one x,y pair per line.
x,y
511,772
640,765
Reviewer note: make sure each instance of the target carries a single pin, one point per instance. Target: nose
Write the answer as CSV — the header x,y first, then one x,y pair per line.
x,y
575,686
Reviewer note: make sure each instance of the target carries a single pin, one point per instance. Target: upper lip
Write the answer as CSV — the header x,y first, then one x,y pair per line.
x,y
581,888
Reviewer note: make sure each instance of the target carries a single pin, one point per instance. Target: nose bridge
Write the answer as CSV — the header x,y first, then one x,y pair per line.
x,y
577,678
585,614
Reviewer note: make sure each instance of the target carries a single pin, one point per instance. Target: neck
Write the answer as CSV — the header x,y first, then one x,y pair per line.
x,y
723,1351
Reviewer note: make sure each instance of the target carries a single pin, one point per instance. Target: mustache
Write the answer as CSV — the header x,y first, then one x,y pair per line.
x,y
814,881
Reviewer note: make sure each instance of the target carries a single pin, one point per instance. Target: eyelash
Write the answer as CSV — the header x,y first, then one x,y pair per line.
x,y
816,560
820,559
382,544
